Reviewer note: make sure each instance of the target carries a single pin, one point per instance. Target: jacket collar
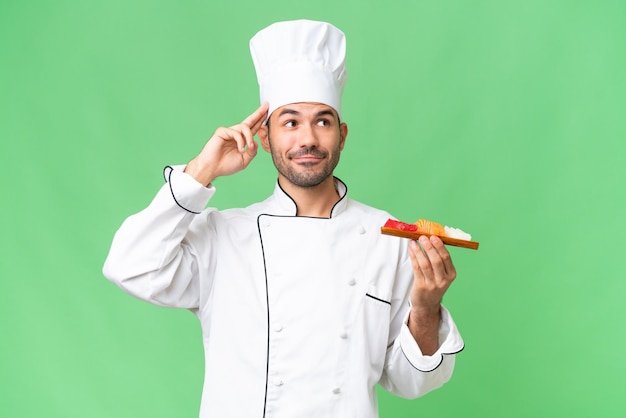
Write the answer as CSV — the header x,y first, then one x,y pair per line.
x,y
284,205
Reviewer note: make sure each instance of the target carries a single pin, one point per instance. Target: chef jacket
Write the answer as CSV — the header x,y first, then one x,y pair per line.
x,y
300,316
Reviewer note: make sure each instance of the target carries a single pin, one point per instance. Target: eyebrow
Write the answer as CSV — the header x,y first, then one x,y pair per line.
x,y
326,112
288,112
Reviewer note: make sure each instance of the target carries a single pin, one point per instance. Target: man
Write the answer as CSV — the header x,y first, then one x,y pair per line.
x,y
304,305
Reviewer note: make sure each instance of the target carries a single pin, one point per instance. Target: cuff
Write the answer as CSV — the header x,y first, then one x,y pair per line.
x,y
450,343
186,191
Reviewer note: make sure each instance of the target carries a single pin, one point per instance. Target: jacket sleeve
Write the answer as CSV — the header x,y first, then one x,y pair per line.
x,y
153,255
409,373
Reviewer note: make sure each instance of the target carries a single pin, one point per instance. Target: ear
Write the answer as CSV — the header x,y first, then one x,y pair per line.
x,y
343,134
264,137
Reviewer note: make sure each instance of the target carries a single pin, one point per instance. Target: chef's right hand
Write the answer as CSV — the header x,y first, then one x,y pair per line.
x,y
229,150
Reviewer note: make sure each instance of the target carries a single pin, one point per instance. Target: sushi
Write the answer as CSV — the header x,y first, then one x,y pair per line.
x,y
449,235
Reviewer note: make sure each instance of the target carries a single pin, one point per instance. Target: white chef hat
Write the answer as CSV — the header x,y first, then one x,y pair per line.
x,y
300,61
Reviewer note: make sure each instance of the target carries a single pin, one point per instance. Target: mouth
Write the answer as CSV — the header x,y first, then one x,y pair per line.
x,y
307,159
307,156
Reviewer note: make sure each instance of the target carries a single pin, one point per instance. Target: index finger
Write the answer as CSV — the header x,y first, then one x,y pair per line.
x,y
255,120
443,253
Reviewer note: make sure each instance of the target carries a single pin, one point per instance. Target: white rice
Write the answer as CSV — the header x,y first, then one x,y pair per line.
x,y
457,233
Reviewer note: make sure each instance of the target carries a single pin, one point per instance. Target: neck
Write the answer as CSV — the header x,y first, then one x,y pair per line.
x,y
317,201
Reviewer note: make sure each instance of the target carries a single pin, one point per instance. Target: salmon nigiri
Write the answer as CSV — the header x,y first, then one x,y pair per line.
x,y
429,227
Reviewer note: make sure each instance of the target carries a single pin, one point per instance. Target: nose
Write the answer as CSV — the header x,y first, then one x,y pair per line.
x,y
307,137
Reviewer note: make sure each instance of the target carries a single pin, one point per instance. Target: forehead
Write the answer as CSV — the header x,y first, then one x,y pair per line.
x,y
303,109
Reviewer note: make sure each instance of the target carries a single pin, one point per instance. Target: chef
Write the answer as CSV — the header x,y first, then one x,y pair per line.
x,y
304,305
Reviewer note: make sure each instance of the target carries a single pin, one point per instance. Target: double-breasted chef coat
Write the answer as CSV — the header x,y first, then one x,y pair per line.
x,y
300,316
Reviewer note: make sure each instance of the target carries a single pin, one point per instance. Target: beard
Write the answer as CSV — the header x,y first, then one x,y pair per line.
x,y
306,175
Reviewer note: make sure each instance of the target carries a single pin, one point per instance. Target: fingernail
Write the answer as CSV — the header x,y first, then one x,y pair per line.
x,y
423,239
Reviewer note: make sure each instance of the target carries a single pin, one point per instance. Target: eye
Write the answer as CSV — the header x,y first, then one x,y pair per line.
x,y
323,122
290,124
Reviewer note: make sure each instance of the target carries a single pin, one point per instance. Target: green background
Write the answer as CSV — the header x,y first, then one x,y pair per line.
x,y
504,118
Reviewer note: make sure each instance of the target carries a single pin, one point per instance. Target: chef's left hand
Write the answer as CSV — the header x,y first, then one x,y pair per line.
x,y
433,273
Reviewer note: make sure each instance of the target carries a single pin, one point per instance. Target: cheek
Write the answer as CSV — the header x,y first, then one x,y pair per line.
x,y
280,142
335,141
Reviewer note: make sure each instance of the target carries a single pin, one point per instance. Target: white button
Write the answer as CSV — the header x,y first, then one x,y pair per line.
x,y
265,223
361,230
337,390
277,382
352,282
278,327
343,335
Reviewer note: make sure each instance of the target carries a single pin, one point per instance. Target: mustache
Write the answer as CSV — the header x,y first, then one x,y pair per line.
x,y
315,152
